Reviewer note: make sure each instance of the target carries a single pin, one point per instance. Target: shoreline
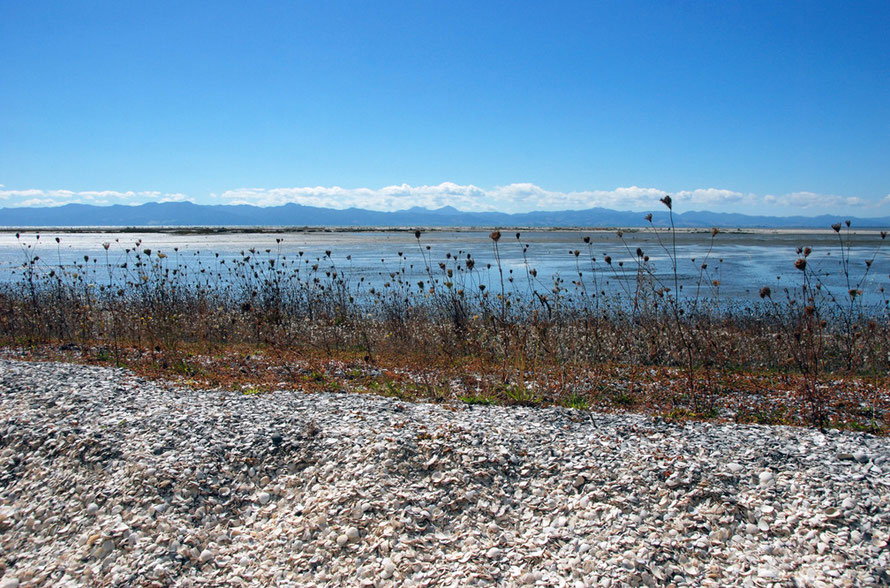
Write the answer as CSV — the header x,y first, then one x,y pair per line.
x,y
222,230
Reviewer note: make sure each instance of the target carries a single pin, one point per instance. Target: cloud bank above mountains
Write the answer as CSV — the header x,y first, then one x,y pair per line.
x,y
518,197
40,198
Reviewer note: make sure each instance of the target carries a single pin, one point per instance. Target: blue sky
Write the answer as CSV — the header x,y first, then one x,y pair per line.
x,y
773,107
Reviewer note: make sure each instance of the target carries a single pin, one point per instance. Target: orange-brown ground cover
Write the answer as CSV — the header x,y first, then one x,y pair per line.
x,y
857,403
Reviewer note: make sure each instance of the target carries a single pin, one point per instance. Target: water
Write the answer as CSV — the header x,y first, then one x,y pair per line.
x,y
738,263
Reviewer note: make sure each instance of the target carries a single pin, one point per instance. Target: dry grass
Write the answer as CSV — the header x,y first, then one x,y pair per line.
x,y
802,356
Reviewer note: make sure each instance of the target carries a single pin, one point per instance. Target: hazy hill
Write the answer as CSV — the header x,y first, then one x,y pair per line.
x,y
188,214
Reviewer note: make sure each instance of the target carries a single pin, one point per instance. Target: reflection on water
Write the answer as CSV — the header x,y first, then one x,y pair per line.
x,y
733,265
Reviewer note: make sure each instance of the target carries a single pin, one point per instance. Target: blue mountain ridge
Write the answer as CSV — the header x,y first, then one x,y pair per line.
x,y
173,214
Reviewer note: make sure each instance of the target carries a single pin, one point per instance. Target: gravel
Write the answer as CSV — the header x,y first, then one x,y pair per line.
x,y
106,478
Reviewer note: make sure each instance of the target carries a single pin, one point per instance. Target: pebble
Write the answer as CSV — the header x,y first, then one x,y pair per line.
x,y
375,491
388,568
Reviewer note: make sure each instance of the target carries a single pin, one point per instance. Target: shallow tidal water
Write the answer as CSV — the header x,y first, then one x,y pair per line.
x,y
737,264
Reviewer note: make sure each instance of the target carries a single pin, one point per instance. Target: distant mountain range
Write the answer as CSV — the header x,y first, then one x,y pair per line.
x,y
296,215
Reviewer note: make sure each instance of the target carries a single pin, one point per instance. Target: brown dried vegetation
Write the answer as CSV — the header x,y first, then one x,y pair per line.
x,y
263,321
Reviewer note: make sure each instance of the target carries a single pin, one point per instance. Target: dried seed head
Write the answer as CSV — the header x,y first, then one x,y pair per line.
x,y
649,217
417,234
801,264
639,252
495,236
765,292
105,245
846,222
620,234
608,259
586,239
836,227
807,251
714,231
667,202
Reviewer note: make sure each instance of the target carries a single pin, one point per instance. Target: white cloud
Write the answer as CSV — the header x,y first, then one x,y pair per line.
x,y
518,197
177,197
812,201
387,198
39,202
35,197
522,197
